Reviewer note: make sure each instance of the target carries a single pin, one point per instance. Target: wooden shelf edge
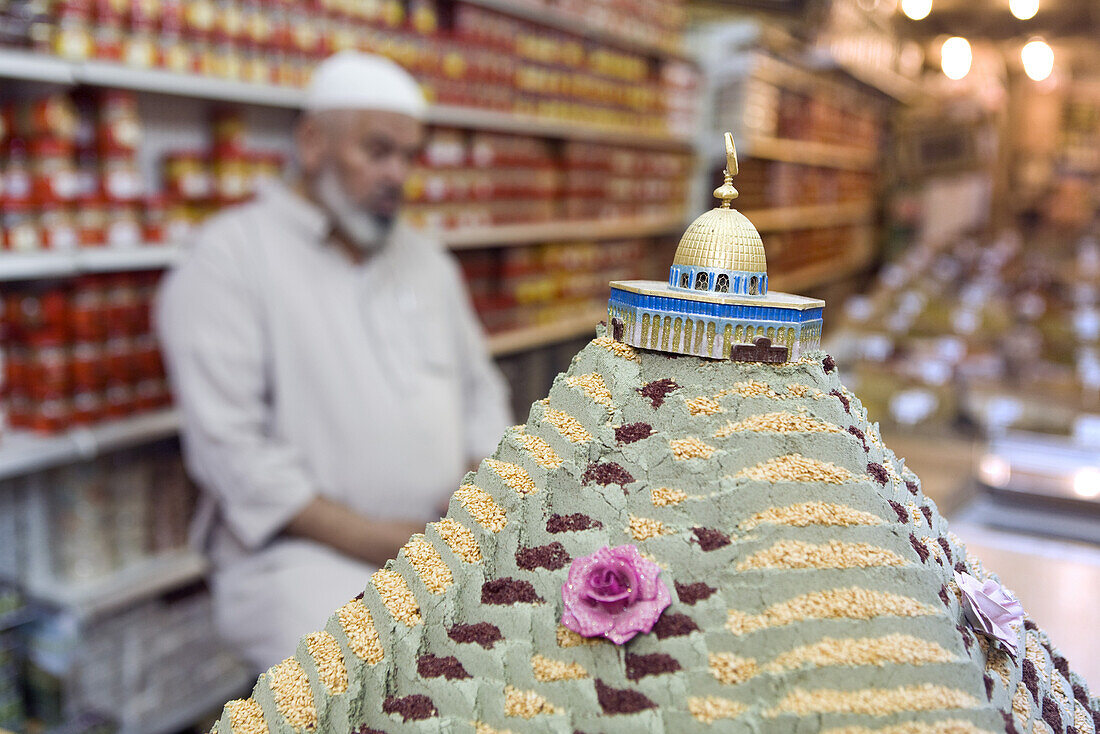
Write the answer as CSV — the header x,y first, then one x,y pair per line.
x,y
33,265
818,274
520,340
522,234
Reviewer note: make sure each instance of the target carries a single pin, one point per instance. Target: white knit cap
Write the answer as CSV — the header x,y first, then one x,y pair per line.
x,y
351,80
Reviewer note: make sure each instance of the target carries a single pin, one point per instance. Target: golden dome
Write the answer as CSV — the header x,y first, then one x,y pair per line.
x,y
723,239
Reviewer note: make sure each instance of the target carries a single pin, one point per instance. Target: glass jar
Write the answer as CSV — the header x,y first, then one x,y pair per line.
x,y
21,231
91,221
154,218
72,36
122,182
58,227
49,365
123,226
187,175
231,177
87,312
139,46
88,365
18,188
53,171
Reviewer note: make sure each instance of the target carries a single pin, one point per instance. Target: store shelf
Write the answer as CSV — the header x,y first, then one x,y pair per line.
x,y
23,452
821,273
522,234
33,265
810,153
518,340
24,65
188,714
552,18
810,217
122,588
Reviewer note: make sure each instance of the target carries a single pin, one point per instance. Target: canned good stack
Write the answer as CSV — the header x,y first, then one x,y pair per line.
x,y
480,58
523,286
70,174
197,182
81,352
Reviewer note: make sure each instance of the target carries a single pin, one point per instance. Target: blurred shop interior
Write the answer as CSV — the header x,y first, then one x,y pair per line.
x,y
931,168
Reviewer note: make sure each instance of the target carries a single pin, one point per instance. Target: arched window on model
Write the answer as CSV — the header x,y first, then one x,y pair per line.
x,y
702,281
754,286
722,284
685,280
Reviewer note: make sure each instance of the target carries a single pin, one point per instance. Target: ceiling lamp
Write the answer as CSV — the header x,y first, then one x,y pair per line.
x,y
916,9
1024,9
1038,58
956,57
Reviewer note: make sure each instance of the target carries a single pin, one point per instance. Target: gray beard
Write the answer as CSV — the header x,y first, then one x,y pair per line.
x,y
365,230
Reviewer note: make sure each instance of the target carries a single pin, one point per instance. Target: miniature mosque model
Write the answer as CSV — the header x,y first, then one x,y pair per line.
x,y
716,302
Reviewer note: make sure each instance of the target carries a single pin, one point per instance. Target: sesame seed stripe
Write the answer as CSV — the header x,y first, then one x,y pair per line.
x,y
848,603
797,468
644,528
327,656
547,670
459,538
892,648
777,423
568,638
664,496
811,513
712,708
293,695
947,726
540,451
396,596
246,717
750,389
429,565
703,405
526,704
796,554
690,448
619,349
731,669
514,476
594,387
566,425
873,701
483,728
482,508
355,619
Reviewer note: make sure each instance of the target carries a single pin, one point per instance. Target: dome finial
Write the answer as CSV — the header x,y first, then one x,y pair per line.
x,y
726,192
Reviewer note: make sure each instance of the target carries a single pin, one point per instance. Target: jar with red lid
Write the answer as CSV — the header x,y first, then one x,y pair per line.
x,y
53,170
91,221
123,226
139,47
118,359
88,407
119,400
146,357
54,116
228,128
58,227
21,230
119,127
122,305
41,311
228,61
187,175
109,33
72,34
154,219
257,67
229,21
16,361
122,182
145,11
87,173
87,312
49,365
17,186
88,368
231,176
49,415
199,18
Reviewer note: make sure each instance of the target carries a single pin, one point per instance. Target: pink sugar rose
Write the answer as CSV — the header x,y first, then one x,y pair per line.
x,y
991,609
613,593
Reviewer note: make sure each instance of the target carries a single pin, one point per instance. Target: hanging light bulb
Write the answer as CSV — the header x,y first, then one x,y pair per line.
x,y
1024,9
956,57
916,9
1038,58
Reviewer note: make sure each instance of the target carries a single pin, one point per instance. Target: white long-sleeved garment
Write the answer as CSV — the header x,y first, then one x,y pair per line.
x,y
300,374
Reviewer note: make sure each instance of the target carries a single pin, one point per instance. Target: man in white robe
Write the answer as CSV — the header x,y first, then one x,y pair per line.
x,y
333,379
